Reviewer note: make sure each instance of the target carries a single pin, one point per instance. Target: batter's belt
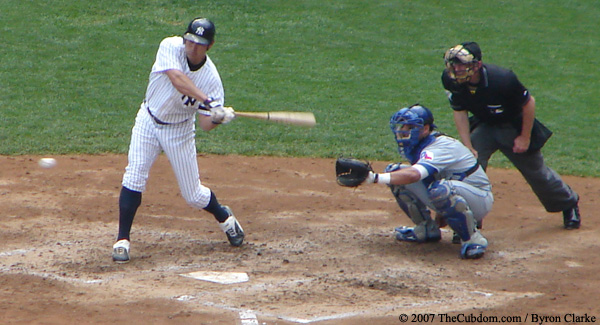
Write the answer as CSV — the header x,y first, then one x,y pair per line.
x,y
158,121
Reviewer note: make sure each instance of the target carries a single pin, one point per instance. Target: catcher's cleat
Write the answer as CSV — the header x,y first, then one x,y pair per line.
x,y
120,253
571,217
475,247
408,234
472,251
232,228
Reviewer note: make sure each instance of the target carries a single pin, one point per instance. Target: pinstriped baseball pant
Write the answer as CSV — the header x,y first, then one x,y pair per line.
x,y
177,141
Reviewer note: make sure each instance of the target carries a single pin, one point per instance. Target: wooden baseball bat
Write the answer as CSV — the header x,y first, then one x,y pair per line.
x,y
295,118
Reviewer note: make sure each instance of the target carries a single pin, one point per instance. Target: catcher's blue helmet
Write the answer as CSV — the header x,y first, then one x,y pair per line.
x,y
415,116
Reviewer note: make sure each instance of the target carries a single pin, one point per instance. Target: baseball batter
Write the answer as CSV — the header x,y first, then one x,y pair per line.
x,y
443,176
184,88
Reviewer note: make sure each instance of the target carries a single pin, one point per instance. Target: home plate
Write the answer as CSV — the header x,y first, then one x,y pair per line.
x,y
218,277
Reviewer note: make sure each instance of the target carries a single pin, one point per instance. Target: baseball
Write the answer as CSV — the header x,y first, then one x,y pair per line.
x,y
47,162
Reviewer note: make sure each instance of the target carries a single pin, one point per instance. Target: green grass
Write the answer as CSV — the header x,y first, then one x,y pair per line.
x,y
74,72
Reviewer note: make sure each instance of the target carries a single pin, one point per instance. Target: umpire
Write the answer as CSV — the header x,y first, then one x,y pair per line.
x,y
503,118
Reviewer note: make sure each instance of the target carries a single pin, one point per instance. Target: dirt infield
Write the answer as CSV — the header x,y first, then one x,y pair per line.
x,y
315,252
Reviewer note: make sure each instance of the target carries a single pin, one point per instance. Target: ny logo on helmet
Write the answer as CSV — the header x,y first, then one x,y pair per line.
x,y
200,30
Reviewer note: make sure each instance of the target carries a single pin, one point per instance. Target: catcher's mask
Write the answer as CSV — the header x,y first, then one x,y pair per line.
x,y
414,118
462,61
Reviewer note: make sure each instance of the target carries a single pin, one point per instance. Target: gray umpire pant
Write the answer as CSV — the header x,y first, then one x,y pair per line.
x,y
554,194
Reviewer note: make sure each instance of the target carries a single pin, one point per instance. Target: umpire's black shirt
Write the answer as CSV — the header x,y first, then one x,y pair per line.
x,y
497,98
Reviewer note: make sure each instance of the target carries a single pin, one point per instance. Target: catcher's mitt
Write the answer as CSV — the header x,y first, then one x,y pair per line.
x,y
351,172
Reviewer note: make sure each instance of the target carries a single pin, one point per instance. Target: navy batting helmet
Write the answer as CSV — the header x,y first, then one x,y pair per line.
x,y
201,31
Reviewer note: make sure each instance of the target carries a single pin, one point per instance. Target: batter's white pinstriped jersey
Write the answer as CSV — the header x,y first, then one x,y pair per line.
x,y
174,132
164,101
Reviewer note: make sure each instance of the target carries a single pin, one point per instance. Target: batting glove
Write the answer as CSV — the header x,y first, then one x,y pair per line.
x,y
209,104
222,115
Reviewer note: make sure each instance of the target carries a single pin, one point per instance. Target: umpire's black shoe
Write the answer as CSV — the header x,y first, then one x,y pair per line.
x,y
233,229
572,218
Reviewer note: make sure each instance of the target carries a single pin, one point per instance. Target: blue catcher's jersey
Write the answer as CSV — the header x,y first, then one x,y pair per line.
x,y
448,158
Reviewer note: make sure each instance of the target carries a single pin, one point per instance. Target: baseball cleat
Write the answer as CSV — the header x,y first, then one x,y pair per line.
x,y
571,217
408,234
120,253
475,247
232,228
472,251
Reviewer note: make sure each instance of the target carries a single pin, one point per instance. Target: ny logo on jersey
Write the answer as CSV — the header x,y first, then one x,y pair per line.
x,y
200,30
188,101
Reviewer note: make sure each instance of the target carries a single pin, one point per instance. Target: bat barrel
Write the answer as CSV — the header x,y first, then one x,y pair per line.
x,y
296,118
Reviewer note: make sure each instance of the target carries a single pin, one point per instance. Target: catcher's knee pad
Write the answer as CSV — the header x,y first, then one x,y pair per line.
x,y
440,194
416,210
452,207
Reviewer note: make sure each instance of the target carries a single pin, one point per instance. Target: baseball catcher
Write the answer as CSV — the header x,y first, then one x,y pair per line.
x,y
443,176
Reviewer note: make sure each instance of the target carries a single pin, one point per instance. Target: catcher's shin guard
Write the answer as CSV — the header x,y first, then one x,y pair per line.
x,y
454,208
426,229
416,210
